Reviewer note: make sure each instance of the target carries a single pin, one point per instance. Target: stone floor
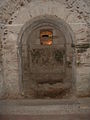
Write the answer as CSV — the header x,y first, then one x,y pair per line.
x,y
53,117
76,109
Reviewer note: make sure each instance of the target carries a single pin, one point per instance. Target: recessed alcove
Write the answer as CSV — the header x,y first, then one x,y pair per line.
x,y
46,59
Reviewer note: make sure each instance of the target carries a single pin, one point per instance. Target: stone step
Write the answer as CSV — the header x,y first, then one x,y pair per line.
x,y
45,107
46,117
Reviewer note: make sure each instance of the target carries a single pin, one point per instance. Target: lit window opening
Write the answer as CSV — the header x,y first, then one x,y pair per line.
x,y
46,37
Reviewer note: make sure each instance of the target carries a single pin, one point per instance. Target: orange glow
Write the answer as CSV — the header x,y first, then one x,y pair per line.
x,y
46,37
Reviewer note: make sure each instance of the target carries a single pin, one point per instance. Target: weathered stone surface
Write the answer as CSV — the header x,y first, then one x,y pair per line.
x,y
16,13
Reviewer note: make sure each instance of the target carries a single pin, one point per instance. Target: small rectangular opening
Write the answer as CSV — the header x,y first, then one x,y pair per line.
x,y
46,37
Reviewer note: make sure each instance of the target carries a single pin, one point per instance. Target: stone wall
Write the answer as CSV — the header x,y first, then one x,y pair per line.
x,y
14,14
1,69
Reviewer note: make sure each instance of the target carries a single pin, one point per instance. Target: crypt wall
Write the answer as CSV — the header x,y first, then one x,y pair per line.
x,y
16,16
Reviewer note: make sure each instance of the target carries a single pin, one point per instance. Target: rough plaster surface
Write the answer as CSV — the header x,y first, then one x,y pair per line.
x,y
15,13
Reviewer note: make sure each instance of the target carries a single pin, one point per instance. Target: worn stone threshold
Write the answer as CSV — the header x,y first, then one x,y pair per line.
x,y
44,107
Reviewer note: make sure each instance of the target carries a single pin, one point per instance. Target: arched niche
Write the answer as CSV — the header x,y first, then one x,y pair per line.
x,y
47,70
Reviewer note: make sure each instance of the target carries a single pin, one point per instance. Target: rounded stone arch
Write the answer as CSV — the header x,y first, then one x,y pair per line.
x,y
58,22
13,16
54,22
